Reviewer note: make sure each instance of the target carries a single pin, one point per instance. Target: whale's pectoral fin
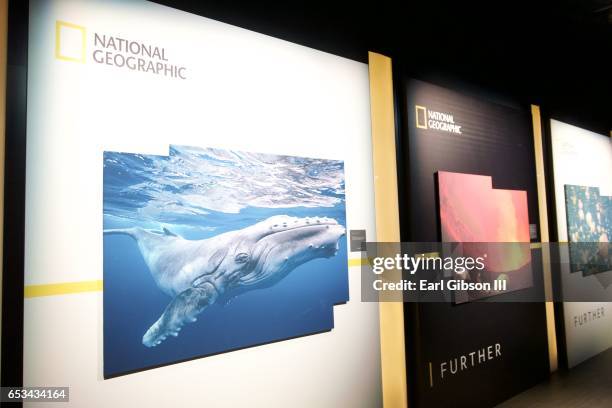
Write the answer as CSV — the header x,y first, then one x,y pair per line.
x,y
183,309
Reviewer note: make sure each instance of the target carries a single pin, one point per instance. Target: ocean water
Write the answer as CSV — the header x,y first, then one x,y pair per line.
x,y
199,193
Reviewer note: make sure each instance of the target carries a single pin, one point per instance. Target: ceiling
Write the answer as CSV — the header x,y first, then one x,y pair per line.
x,y
552,53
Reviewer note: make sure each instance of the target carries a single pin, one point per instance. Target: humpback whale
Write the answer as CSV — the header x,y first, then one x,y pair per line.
x,y
200,273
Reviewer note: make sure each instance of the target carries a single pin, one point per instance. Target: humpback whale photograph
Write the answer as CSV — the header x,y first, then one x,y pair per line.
x,y
211,250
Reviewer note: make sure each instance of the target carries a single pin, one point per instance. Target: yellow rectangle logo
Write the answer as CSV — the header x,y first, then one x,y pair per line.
x,y
421,116
70,42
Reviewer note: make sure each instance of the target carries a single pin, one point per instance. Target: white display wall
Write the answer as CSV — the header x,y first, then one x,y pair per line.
x,y
581,157
243,91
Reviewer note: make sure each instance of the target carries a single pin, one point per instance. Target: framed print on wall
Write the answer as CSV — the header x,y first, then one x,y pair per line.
x,y
213,250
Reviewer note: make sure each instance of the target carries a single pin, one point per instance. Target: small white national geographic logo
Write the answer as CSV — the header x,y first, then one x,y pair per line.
x,y
430,119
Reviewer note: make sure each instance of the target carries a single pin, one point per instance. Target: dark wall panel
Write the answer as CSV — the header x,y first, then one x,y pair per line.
x,y
495,140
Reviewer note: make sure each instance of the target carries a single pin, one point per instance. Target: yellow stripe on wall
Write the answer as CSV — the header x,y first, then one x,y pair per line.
x,y
358,262
66,288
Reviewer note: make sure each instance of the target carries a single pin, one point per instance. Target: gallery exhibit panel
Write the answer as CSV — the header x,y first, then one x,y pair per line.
x,y
189,192
581,169
468,175
472,211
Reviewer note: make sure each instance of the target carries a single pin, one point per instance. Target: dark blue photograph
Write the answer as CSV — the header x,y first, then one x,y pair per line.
x,y
210,250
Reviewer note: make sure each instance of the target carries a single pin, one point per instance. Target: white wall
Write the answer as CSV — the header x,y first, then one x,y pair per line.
x,y
244,91
581,157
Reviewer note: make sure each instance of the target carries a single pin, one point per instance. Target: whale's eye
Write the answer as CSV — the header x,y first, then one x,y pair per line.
x,y
242,258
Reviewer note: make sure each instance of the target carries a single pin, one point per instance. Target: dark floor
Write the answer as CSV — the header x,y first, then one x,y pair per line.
x,y
587,385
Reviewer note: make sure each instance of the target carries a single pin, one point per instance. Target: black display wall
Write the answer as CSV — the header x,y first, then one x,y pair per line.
x,y
496,140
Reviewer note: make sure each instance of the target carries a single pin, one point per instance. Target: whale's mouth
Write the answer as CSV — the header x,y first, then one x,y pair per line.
x,y
305,238
296,240
283,246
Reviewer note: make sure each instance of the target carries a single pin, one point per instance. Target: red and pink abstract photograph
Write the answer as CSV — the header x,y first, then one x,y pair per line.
x,y
472,211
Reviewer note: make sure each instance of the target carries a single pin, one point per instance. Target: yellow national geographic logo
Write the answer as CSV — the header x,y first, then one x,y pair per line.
x,y
70,42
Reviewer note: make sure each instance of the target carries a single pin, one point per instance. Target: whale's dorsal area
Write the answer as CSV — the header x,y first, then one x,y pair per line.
x,y
200,273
